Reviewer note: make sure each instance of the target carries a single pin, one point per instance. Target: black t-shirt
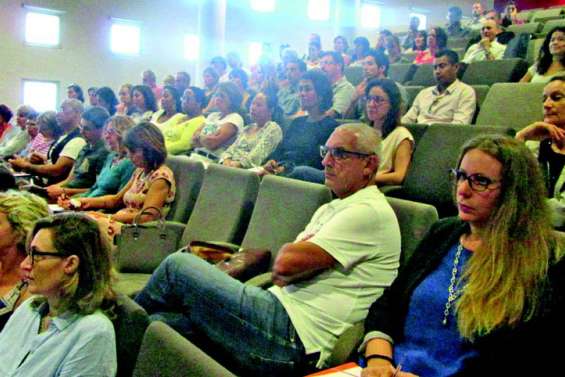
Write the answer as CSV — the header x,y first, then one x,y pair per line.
x,y
552,164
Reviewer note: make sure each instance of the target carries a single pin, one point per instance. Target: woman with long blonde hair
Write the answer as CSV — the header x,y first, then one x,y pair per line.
x,y
483,294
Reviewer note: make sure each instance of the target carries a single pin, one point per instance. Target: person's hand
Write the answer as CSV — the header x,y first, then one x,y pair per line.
x,y
55,191
542,130
231,163
64,202
384,370
36,158
273,167
19,163
485,43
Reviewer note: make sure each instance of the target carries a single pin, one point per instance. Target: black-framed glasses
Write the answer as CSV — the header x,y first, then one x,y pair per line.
x,y
477,182
340,153
376,99
33,253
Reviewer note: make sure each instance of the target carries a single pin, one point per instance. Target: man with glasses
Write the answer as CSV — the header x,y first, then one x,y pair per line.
x,y
488,48
324,281
450,101
343,92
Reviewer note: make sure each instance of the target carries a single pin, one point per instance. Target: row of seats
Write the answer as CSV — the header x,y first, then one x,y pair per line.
x,y
540,29
542,15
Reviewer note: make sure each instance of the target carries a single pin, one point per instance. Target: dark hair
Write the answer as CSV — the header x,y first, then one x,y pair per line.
x,y
544,57
234,95
322,86
391,89
78,234
450,54
146,137
380,59
107,95
441,38
212,72
455,10
97,115
176,96
299,62
344,41
241,75
219,60
277,114
336,57
78,90
6,113
424,34
7,180
199,95
557,78
363,42
90,90
148,96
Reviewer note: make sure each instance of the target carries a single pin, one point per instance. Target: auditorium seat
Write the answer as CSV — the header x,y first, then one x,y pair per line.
x,y
490,72
455,43
526,15
533,50
408,57
166,353
424,76
528,28
417,130
411,92
481,92
401,72
353,74
188,177
544,15
512,105
427,180
549,25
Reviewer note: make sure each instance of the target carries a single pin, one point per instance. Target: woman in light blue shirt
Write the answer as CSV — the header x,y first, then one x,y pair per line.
x,y
63,330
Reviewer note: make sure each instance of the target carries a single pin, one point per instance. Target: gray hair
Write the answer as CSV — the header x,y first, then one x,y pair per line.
x,y
368,139
74,104
27,111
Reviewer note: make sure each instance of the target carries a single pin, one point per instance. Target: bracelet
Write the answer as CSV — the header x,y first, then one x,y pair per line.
x,y
377,356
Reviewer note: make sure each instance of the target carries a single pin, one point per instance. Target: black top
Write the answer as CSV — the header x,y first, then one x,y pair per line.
x,y
301,142
551,163
88,165
528,347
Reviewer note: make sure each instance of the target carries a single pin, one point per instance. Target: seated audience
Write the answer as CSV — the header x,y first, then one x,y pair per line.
x,y
90,159
211,80
221,127
488,48
551,58
182,81
510,16
342,47
169,80
313,58
347,254
437,41
170,112
390,45
117,169
410,38
219,64
454,28
65,330
450,101
6,128
362,48
125,106
239,77
18,211
75,91
178,136
151,187
259,139
288,97
304,136
419,46
332,64
234,60
92,99
481,286
107,99
149,79
63,153
21,138
550,149
43,132
144,102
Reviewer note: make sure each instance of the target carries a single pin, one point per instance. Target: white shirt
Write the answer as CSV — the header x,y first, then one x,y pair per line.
x,y
361,233
389,146
476,53
72,148
343,94
455,105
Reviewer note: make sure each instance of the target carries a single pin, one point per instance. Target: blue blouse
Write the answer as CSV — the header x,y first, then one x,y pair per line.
x,y
112,177
73,345
429,348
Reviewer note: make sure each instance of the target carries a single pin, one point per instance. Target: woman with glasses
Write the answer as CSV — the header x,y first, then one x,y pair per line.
x,y
18,212
65,328
483,293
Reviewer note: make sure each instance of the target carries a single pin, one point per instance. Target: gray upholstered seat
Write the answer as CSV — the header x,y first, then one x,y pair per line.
x,y
490,72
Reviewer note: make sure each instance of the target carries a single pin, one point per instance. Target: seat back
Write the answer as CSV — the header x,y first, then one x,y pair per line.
x,y
526,15
490,72
224,206
522,104
453,43
549,25
401,72
166,353
417,131
424,76
411,92
533,50
544,15
414,219
188,178
427,180
480,93
354,74
130,323
283,209
528,28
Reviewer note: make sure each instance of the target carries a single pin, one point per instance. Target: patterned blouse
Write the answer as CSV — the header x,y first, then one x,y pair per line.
x,y
251,150
135,196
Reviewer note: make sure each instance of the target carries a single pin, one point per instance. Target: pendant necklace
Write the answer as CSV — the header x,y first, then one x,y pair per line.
x,y
452,290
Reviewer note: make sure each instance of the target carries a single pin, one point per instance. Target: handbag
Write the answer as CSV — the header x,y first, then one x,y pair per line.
x,y
212,251
142,247
246,264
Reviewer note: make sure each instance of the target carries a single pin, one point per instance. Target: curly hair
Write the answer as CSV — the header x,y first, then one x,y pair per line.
x,y
322,87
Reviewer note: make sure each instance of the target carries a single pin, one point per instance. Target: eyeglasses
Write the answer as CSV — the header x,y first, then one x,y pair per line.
x,y
376,99
477,182
34,253
340,153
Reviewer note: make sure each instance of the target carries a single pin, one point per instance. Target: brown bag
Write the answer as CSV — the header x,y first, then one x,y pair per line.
x,y
212,252
246,264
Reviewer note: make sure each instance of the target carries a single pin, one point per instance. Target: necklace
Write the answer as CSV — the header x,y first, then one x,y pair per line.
x,y
452,289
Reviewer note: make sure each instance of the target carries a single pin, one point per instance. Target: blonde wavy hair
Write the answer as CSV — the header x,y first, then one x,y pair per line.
x,y
506,276
90,287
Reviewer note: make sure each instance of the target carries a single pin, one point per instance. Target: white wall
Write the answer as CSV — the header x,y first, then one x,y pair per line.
x,y
84,56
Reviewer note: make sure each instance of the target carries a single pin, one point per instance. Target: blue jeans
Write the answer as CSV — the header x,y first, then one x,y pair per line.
x,y
246,322
308,174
